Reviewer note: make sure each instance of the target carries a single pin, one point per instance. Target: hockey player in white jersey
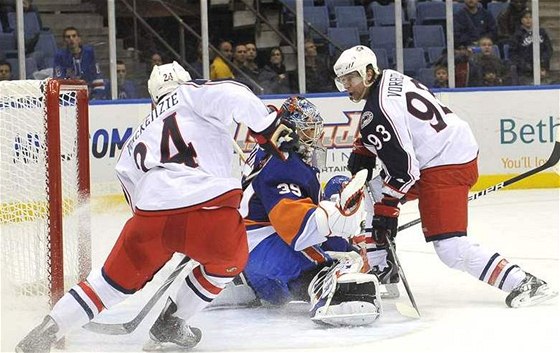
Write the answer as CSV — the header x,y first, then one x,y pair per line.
x,y
175,170
427,153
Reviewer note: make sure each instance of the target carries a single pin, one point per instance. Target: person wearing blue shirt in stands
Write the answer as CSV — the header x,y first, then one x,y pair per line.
x,y
126,89
471,23
77,61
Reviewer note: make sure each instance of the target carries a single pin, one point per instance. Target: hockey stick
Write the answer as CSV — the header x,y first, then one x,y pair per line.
x,y
551,162
403,309
247,179
239,151
128,327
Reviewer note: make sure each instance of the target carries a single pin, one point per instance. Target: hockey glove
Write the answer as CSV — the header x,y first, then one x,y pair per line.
x,y
385,219
342,218
279,137
361,158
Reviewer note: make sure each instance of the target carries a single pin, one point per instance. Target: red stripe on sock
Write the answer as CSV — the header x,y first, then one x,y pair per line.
x,y
497,270
92,295
199,276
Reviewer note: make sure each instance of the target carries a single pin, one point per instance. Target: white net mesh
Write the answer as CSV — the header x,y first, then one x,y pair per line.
x,y
24,192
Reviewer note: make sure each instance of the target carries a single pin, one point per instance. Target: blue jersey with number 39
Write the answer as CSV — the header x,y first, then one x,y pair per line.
x,y
282,199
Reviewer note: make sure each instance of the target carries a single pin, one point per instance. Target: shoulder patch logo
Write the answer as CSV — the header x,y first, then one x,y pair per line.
x,y
366,118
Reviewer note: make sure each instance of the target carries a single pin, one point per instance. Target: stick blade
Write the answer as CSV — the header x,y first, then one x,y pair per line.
x,y
107,329
407,310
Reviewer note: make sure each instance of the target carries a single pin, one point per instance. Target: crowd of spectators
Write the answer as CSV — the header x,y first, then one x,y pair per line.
x,y
490,50
481,41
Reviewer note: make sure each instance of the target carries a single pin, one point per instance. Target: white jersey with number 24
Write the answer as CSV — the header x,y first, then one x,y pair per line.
x,y
181,155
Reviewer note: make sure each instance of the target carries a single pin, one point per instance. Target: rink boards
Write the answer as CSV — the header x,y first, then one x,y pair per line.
x,y
515,129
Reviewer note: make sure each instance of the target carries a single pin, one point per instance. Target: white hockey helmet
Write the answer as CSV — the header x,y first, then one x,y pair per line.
x,y
355,59
165,79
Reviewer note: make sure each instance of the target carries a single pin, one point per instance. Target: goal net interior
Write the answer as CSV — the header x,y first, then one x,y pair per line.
x,y
44,186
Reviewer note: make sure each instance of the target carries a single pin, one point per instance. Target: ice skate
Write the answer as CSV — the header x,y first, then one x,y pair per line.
x,y
40,339
530,291
171,332
388,278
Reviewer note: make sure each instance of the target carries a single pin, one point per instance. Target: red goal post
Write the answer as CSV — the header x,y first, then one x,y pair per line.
x,y
44,185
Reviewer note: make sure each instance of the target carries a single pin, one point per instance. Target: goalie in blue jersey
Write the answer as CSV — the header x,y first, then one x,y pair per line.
x,y
298,243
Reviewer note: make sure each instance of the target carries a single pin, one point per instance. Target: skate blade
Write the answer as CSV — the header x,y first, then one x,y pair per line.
x,y
389,291
544,293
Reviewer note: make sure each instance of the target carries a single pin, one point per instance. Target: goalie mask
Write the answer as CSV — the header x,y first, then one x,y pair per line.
x,y
309,124
165,79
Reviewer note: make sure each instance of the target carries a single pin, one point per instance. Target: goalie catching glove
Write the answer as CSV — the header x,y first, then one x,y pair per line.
x,y
342,218
279,137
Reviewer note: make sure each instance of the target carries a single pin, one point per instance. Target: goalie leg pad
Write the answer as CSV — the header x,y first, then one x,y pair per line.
x,y
355,313
341,296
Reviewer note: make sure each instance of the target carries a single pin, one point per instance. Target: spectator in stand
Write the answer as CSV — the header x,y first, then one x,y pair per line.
x,y
251,61
197,63
273,77
522,49
509,20
77,61
546,79
490,76
239,58
220,68
156,60
240,71
486,58
441,77
5,71
318,76
472,22
467,73
7,6
126,88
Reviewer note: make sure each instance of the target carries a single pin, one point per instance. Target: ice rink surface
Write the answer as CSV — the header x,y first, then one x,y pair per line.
x,y
459,314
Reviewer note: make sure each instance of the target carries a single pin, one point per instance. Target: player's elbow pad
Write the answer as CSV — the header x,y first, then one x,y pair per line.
x,y
331,222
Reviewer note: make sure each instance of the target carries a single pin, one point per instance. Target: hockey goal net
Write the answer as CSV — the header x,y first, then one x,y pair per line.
x,y
44,186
